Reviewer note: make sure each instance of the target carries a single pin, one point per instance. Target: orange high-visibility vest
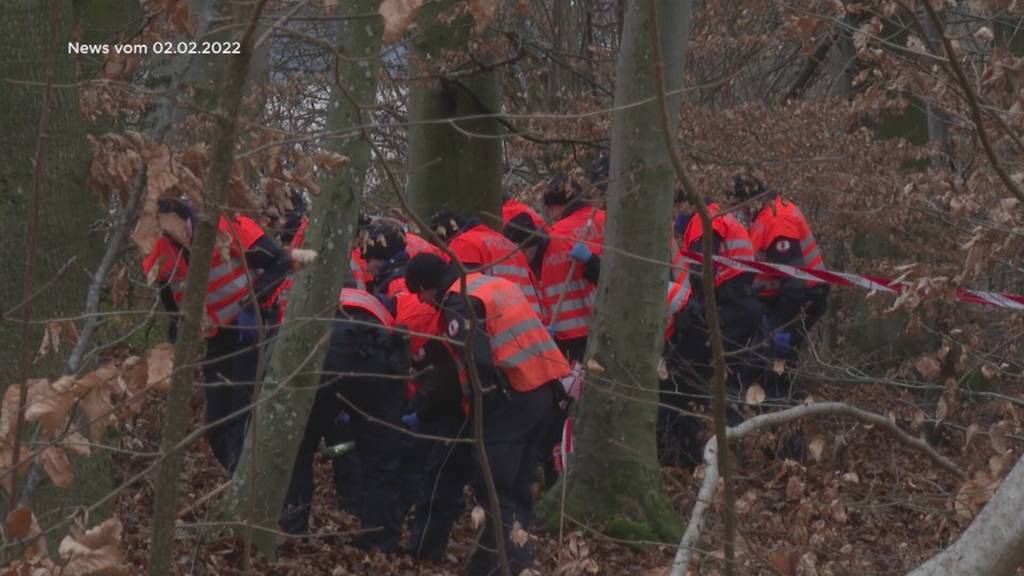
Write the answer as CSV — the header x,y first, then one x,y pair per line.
x,y
678,297
227,283
520,344
416,244
735,242
422,321
513,208
783,219
499,257
569,319
363,300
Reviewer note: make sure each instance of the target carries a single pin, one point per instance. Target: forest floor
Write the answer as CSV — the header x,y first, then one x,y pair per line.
x,y
858,504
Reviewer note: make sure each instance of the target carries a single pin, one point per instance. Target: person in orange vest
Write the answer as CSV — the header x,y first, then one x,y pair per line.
x,y
232,336
519,366
780,234
479,247
383,247
362,375
518,218
568,281
739,310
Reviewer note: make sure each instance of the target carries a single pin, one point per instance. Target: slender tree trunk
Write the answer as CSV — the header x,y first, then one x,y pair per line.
x,y
453,166
289,390
613,479
938,119
993,544
177,417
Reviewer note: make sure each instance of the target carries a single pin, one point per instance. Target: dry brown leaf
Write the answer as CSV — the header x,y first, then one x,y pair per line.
x,y
519,536
397,15
58,467
160,365
329,161
329,6
9,409
779,366
97,408
96,552
18,523
477,516
483,12
929,367
50,404
817,448
972,431
594,367
21,524
662,369
755,394
54,335
794,488
784,561
77,443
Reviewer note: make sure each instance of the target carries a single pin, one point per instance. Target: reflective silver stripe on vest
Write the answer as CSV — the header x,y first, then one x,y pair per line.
x,y
228,313
733,245
227,290
477,283
368,301
528,290
567,286
566,325
514,332
527,353
676,304
357,275
509,270
570,304
221,270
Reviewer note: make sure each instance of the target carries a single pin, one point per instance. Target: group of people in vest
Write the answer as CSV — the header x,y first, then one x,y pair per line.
x,y
420,329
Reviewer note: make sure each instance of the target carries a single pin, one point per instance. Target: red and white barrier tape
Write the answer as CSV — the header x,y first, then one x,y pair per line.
x,y
1000,299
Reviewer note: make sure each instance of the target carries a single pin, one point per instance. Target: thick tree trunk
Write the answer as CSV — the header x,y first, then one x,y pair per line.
x,y
67,211
993,544
177,418
453,165
289,389
613,479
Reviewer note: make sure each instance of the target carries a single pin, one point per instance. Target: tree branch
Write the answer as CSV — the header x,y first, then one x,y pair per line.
x,y
705,496
957,72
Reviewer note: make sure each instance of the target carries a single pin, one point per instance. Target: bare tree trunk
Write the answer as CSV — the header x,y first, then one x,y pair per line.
x,y
613,479
291,385
177,417
993,545
453,165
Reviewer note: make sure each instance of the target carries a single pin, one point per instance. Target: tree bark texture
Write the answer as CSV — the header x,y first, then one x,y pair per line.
x,y
993,544
67,211
288,393
453,164
614,475
177,418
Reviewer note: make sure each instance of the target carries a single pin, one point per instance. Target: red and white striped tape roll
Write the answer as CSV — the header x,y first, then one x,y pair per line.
x,y
1000,299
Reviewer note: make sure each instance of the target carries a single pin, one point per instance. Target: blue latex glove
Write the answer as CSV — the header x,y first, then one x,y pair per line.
x,y
781,343
411,421
248,326
580,252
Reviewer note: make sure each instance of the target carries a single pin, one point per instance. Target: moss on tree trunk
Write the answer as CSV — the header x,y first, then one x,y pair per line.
x,y
613,479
